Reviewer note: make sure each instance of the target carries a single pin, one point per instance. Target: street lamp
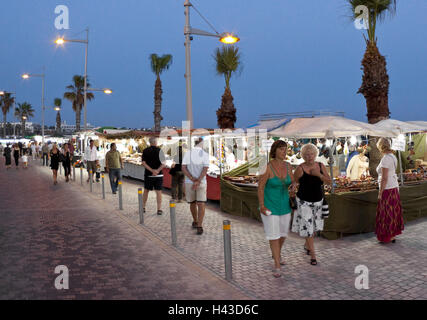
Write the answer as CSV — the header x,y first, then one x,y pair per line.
x,y
61,41
105,90
42,75
227,38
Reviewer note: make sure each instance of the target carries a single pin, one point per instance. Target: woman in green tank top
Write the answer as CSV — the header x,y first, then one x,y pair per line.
x,y
273,199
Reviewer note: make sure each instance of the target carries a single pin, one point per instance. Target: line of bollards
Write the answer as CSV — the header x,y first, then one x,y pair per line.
x,y
74,173
90,178
172,206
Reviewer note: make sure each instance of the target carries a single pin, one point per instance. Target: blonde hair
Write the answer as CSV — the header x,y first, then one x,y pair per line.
x,y
307,148
383,145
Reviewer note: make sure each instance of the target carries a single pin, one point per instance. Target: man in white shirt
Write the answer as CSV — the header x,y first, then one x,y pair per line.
x,y
91,159
195,166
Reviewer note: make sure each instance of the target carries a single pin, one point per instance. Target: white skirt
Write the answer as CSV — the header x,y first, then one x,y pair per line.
x,y
308,218
276,227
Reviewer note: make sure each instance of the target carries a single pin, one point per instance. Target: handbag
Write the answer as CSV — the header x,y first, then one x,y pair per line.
x,y
325,205
61,157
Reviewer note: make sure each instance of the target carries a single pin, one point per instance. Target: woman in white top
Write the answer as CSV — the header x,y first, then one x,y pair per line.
x,y
389,220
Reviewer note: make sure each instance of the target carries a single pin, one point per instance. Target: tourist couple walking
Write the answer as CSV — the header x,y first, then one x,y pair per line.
x,y
194,166
278,184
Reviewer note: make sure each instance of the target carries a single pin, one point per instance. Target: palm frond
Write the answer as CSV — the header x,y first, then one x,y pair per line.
x,y
160,63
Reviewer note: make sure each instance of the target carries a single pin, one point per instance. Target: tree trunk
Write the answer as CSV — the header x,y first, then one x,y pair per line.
x,y
58,123
78,115
375,84
157,104
23,128
226,114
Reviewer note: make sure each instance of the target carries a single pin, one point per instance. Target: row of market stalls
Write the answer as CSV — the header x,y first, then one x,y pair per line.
x,y
352,204
238,156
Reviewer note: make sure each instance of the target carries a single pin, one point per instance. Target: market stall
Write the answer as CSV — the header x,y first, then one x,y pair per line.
x,y
352,201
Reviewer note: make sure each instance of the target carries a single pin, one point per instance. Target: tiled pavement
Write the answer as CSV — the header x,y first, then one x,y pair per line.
x,y
396,271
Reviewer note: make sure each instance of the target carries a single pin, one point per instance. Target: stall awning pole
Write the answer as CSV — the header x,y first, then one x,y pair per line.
x,y
401,171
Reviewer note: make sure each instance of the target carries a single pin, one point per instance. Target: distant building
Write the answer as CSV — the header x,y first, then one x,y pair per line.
x,y
70,128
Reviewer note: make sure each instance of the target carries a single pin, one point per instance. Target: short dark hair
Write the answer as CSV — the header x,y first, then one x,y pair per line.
x,y
112,145
275,145
90,140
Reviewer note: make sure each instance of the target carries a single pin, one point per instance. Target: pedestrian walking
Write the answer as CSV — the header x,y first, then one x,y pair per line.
x,y
273,197
308,218
45,154
91,157
20,146
25,159
7,156
33,151
66,162
113,165
177,175
16,154
153,161
389,219
54,162
195,165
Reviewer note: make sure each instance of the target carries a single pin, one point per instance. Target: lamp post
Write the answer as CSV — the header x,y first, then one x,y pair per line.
x,y
61,41
224,37
42,75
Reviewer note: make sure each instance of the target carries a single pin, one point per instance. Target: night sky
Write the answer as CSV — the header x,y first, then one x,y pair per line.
x,y
297,56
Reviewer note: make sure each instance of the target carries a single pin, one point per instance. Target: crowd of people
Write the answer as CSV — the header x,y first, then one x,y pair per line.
x,y
282,191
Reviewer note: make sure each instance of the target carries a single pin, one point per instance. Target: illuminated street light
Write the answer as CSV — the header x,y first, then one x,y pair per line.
x,y
227,38
42,75
61,41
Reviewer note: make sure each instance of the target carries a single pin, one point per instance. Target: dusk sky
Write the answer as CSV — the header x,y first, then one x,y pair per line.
x,y
297,56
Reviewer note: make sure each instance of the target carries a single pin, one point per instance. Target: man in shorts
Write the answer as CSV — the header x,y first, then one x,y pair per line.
x,y
153,161
195,166
91,158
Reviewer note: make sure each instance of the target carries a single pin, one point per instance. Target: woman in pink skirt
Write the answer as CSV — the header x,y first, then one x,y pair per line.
x,y
389,220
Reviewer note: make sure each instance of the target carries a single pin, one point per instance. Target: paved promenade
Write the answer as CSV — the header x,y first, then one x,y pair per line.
x,y
111,256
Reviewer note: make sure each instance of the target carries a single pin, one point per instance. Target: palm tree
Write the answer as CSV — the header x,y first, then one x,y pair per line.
x,y
23,112
375,80
76,96
57,103
6,102
228,61
158,65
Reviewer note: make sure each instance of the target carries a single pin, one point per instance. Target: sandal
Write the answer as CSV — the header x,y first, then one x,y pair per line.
x,y
313,262
194,224
199,230
308,251
277,273
159,212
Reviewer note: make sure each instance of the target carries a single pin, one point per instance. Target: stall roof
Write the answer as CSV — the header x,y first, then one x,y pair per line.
x,y
328,127
399,126
422,124
269,124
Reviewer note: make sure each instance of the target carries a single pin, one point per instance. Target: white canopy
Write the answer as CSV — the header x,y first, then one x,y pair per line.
x,y
269,124
422,124
399,126
328,127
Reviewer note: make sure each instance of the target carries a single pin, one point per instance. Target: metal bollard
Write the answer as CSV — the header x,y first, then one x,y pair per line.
x,y
120,196
227,250
74,173
60,168
141,209
90,178
81,175
173,222
103,186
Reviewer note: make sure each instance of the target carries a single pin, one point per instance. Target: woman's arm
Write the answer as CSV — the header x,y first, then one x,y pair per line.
x,y
298,174
324,175
261,185
383,182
